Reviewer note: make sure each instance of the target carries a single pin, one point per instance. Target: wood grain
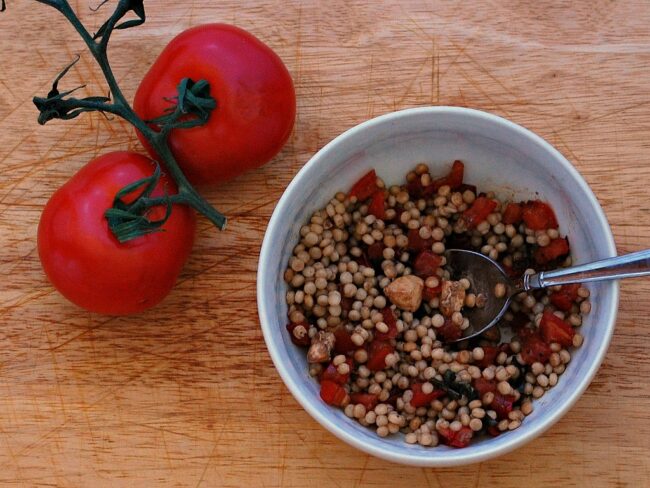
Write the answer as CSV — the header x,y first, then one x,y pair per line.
x,y
186,394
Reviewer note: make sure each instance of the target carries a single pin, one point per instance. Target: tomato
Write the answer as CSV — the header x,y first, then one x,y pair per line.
x,y
556,249
343,341
512,214
502,405
460,438
426,263
483,386
421,399
449,331
365,187
565,297
332,393
377,206
83,259
376,252
331,374
416,243
534,349
256,102
429,293
368,400
489,357
554,329
538,215
391,322
454,179
479,211
377,352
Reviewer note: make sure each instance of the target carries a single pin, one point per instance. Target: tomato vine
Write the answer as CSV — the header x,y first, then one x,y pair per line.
x,y
193,106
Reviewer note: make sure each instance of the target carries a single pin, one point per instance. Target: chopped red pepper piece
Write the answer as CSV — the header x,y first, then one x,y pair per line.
x,y
449,331
365,187
538,215
554,329
343,343
426,263
377,352
512,214
534,349
416,243
502,405
565,297
368,400
460,438
479,211
454,179
429,293
332,393
489,356
377,206
421,399
556,249
391,322
303,340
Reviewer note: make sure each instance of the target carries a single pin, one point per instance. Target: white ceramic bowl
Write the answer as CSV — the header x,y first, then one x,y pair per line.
x,y
499,155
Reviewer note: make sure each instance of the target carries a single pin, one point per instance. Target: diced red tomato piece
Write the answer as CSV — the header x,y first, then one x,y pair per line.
x,y
376,251
421,399
429,293
464,187
489,356
377,205
365,187
502,405
449,331
332,393
565,297
343,341
556,249
415,188
416,243
302,341
479,211
512,214
454,179
426,263
534,349
554,329
538,215
368,400
483,386
460,438
377,352
391,322
331,374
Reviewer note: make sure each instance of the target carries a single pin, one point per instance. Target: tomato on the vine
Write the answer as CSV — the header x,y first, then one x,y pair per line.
x,y
83,259
256,101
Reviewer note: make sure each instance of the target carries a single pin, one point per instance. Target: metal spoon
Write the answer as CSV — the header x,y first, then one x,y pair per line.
x,y
484,274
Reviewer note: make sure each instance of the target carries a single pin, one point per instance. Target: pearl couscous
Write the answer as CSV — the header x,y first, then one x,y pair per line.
x,y
370,299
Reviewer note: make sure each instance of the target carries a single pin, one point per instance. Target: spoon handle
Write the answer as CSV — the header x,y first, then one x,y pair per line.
x,y
626,266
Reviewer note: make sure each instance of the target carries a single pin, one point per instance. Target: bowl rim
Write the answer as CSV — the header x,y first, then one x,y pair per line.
x,y
339,430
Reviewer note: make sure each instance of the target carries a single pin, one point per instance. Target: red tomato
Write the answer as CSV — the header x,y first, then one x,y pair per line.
x,y
512,214
479,211
368,400
365,187
331,374
426,263
534,349
556,249
539,215
256,102
343,343
429,293
454,179
83,259
565,297
391,322
554,329
377,352
449,331
421,399
332,393
377,206
483,386
489,356
460,438
416,243
376,251
502,405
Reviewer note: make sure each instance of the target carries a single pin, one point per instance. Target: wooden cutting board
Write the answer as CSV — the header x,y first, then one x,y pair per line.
x,y
186,394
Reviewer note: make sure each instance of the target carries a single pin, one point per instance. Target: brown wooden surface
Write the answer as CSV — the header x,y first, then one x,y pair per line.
x,y
186,394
